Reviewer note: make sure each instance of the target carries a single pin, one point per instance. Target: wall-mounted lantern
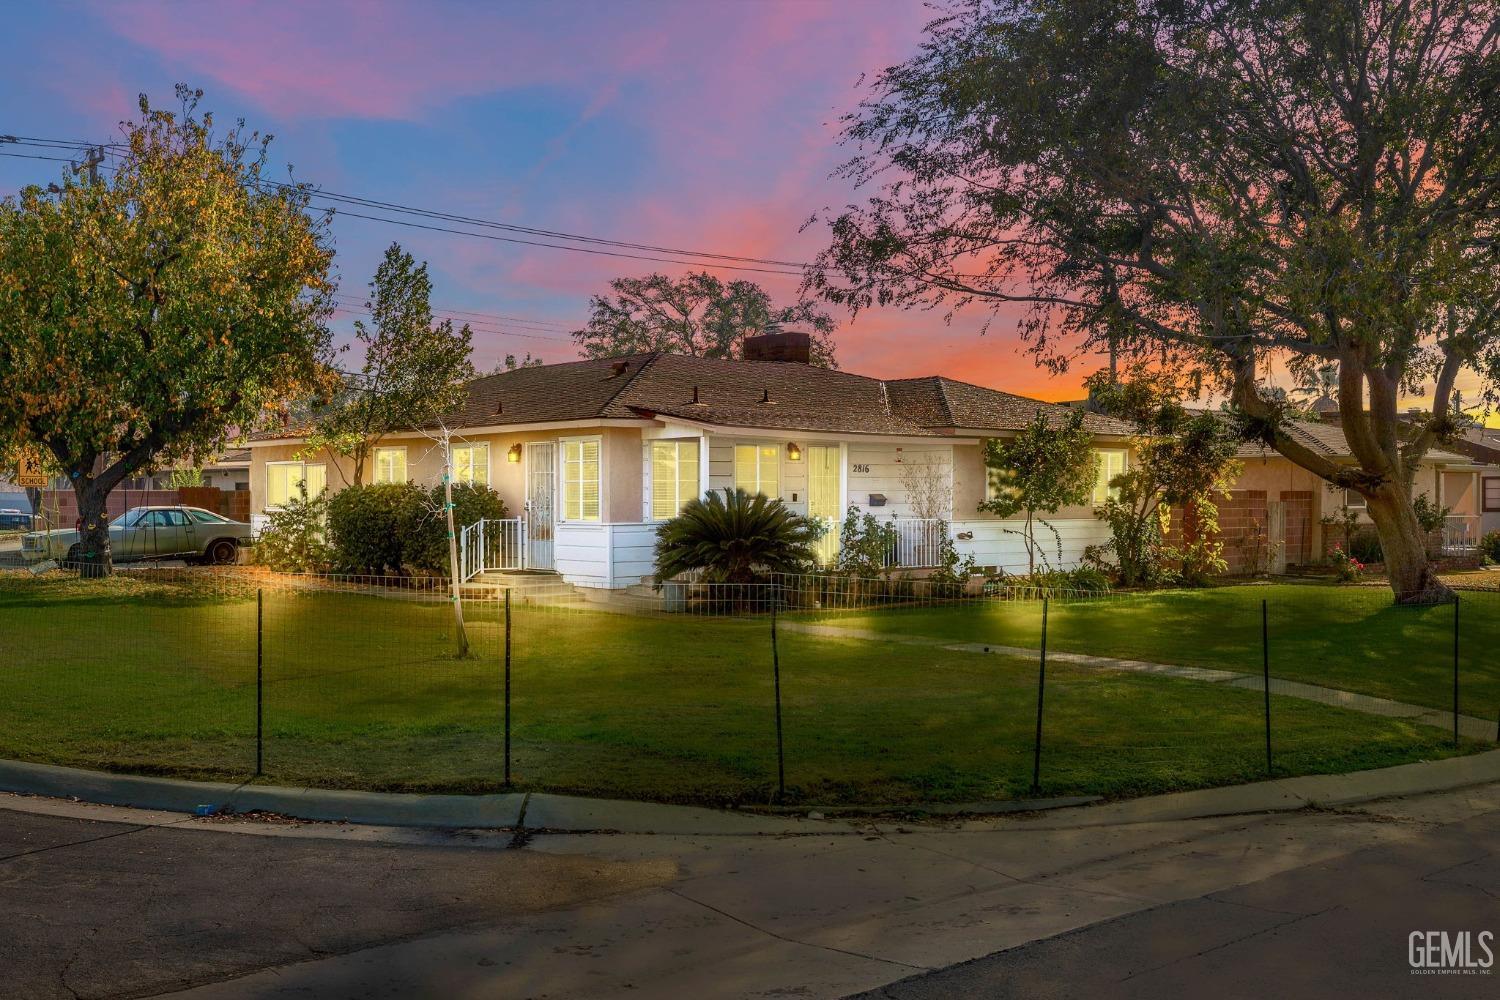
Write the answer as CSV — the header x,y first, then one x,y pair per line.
x,y
513,454
793,452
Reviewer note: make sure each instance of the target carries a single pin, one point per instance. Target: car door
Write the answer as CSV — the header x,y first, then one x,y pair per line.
x,y
173,535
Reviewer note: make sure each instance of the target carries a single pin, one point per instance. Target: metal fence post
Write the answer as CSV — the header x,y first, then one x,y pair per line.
x,y
1265,658
776,684
260,698
507,687
1041,691
1455,669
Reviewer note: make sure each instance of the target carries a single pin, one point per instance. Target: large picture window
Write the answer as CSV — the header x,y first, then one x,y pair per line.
x,y
284,480
674,477
471,464
1491,493
390,465
1112,462
580,469
757,469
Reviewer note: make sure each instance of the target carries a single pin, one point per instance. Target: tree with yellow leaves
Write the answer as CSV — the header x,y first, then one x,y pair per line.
x,y
147,314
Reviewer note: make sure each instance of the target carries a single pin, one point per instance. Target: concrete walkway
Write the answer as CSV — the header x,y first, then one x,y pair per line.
x,y
1468,725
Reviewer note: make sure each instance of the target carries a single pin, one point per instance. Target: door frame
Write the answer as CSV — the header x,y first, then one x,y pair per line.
x,y
541,550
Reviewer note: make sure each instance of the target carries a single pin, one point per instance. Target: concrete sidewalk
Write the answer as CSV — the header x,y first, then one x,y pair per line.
x,y
563,813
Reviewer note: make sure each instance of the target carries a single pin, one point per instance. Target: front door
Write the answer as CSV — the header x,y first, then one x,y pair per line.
x,y
823,497
541,492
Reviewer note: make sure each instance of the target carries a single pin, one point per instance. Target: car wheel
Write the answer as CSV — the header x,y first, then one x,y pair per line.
x,y
75,553
223,552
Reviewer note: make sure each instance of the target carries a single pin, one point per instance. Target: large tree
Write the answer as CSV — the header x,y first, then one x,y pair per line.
x,y
413,370
1237,186
696,314
147,313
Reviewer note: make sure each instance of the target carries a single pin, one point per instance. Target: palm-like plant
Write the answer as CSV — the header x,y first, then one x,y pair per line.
x,y
732,535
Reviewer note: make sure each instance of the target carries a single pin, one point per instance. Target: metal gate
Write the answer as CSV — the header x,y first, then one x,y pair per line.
x,y
541,493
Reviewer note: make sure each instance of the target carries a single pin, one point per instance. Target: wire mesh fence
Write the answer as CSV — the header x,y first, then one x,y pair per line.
x,y
794,690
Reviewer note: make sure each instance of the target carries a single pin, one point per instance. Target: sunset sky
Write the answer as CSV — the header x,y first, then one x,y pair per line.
x,y
706,126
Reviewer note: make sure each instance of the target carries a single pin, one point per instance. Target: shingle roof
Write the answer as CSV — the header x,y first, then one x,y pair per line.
x,y
1328,439
770,394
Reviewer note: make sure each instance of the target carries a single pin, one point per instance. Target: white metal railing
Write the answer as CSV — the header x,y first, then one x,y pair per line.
x,y
1460,533
919,542
491,544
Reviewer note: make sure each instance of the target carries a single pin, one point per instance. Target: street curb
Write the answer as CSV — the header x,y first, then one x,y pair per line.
x,y
571,814
1286,794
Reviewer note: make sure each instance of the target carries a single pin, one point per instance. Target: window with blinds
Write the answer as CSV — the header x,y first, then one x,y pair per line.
x,y
285,480
1112,462
580,468
757,469
471,464
674,477
390,465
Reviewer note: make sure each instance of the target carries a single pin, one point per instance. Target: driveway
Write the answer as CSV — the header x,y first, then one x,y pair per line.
x,y
105,902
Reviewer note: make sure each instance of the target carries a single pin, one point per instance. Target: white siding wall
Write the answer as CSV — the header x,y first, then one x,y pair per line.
x,y
878,468
604,555
581,554
999,543
631,553
869,468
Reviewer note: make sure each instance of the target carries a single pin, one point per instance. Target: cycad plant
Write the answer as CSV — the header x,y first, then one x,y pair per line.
x,y
732,535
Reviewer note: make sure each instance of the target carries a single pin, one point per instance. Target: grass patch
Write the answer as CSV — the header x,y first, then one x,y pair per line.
x,y
363,691
1352,638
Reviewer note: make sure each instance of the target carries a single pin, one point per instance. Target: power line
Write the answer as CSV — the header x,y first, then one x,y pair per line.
x,y
556,246
703,258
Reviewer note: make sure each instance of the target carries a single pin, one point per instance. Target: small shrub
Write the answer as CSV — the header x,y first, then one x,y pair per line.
x,y
1364,545
1346,566
734,537
292,542
367,525
1489,546
952,573
864,543
425,546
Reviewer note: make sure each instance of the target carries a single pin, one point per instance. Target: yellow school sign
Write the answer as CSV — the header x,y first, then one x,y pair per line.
x,y
29,474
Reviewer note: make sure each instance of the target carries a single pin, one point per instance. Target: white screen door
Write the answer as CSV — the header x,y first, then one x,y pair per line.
x,y
541,491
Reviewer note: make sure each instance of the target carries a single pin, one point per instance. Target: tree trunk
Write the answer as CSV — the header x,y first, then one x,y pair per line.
x,y
1403,544
94,557
460,634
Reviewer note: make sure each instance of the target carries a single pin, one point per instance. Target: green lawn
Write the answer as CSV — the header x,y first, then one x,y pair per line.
x,y
1346,637
361,691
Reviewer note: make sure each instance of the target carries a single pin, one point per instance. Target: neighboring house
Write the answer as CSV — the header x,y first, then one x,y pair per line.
x,y
595,454
1482,446
229,472
1275,511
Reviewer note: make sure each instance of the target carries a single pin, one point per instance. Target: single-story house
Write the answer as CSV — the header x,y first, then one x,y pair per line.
x,y
1275,512
592,456
1482,447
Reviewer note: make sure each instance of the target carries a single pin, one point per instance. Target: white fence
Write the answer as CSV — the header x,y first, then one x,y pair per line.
x,y
919,542
1460,534
492,544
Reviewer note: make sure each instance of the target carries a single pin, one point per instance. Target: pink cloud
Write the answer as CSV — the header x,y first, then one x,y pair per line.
x,y
367,59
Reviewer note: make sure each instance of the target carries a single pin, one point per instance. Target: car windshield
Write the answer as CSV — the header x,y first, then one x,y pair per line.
x,y
206,517
131,516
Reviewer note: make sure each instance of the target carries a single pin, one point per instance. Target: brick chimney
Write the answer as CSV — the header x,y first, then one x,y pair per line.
x,y
785,345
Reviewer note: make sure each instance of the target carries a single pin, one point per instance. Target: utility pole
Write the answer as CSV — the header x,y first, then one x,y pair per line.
x,y
90,164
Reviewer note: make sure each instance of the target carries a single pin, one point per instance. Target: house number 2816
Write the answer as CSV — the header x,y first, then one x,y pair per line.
x,y
861,467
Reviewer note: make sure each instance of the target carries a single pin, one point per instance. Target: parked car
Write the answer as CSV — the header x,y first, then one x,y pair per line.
x,y
151,533
12,518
